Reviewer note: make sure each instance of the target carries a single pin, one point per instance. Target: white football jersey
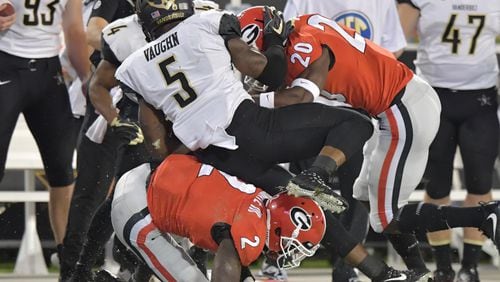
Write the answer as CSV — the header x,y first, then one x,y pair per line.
x,y
36,32
457,43
187,74
377,20
124,36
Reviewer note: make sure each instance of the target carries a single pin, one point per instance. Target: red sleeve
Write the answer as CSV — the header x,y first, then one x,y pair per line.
x,y
302,50
249,236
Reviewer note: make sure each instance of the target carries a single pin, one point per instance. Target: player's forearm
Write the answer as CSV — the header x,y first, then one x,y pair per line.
x,y
227,265
102,101
77,54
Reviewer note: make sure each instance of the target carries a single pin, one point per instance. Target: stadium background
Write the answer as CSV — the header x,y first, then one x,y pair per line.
x,y
12,214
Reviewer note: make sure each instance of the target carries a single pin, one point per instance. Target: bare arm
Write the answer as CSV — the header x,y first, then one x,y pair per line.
x,y
94,29
154,130
75,39
409,16
246,59
316,72
158,134
101,83
227,265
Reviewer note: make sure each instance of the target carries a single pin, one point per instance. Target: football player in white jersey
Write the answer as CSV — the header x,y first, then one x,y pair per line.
x,y
375,20
31,83
456,55
96,169
119,39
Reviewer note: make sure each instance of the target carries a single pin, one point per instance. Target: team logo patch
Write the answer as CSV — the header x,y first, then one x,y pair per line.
x,y
300,218
357,21
250,33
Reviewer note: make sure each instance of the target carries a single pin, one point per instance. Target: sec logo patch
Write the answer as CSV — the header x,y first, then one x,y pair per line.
x,y
357,21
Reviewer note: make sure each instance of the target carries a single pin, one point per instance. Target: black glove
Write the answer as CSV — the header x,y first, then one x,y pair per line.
x,y
276,30
127,131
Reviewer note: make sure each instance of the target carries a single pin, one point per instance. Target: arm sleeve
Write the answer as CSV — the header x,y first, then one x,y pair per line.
x,y
393,38
105,9
108,54
299,58
229,27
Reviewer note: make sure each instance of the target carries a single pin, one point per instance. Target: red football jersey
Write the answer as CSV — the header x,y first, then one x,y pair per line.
x,y
187,198
366,75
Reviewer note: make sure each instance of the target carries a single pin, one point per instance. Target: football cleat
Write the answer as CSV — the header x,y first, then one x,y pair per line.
x,y
309,184
271,272
105,276
392,274
444,275
468,275
421,275
490,228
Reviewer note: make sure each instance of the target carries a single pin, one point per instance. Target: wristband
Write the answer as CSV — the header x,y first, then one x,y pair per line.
x,y
266,100
307,85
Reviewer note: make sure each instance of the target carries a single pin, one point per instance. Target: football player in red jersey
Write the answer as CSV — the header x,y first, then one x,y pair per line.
x,y
216,211
323,54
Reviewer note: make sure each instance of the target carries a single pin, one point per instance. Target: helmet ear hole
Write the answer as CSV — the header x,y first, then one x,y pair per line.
x,y
277,231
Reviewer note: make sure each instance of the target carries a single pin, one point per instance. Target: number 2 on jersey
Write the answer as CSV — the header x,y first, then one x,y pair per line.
x,y
33,19
357,41
452,34
182,100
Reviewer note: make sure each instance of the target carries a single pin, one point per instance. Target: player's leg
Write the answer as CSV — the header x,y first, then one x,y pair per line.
x,y
12,101
298,132
437,182
393,170
133,226
95,175
478,142
54,128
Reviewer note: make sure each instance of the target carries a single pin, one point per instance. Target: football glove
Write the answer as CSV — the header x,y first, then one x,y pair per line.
x,y
276,30
127,131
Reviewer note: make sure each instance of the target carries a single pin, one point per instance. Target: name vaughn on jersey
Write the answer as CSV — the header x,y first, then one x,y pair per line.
x,y
168,43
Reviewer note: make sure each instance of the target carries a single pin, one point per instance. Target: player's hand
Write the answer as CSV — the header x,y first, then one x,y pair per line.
x,y
127,131
276,30
7,15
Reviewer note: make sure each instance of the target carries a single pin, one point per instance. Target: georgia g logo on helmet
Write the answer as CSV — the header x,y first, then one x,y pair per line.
x,y
250,33
300,218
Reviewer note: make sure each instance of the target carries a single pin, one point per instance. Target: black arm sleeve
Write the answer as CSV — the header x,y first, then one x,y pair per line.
x,y
275,70
229,27
105,9
108,54
220,231
408,2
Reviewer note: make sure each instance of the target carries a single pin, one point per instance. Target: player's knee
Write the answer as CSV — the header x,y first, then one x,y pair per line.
x,y
59,177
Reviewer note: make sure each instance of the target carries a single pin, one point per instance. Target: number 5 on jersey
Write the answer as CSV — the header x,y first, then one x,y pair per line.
x,y
183,99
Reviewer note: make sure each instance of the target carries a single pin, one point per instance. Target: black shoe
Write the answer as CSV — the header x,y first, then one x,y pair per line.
x,y
490,227
200,257
309,184
468,275
444,275
80,276
392,274
105,276
419,275
344,272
